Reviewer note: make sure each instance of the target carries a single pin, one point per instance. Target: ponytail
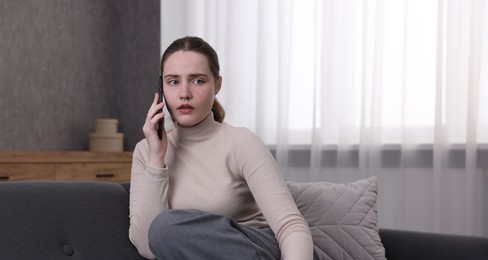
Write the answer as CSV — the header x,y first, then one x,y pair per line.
x,y
218,111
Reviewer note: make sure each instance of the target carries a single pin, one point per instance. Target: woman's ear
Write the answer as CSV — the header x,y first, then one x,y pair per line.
x,y
218,85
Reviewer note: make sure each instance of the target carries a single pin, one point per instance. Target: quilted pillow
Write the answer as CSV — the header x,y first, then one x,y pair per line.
x,y
342,218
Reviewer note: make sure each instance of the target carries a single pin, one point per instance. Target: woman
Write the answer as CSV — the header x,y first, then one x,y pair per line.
x,y
207,190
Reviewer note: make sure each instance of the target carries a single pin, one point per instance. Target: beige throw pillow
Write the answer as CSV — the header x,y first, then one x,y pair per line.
x,y
342,218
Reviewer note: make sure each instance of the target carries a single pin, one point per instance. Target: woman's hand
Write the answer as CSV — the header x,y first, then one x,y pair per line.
x,y
157,147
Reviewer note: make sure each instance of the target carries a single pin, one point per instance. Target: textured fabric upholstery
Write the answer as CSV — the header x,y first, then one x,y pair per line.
x,y
407,245
61,220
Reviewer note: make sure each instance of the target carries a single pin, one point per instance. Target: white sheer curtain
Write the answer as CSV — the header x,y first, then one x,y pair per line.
x,y
345,89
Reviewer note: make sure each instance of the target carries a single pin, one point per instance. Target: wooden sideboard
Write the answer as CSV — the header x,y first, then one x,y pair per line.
x,y
70,165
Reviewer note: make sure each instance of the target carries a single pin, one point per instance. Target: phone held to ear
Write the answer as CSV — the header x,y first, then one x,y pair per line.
x,y
161,97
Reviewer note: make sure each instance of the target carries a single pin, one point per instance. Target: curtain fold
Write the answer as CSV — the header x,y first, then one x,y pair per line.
x,y
343,90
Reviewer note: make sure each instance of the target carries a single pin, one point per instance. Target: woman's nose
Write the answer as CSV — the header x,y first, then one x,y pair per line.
x,y
185,92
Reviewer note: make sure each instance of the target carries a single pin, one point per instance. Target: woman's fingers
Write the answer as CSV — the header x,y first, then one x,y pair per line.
x,y
153,116
155,107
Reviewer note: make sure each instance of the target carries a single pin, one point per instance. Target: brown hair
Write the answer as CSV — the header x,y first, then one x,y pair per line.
x,y
196,44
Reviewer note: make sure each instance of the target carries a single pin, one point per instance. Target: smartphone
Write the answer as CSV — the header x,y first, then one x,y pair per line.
x,y
161,98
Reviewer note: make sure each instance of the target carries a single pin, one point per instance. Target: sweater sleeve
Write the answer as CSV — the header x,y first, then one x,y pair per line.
x,y
271,193
148,197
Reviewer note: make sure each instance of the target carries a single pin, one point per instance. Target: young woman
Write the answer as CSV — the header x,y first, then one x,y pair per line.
x,y
208,190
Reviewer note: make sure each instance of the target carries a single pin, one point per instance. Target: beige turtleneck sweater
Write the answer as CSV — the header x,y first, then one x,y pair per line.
x,y
222,170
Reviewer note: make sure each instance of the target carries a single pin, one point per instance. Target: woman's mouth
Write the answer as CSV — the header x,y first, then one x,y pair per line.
x,y
185,109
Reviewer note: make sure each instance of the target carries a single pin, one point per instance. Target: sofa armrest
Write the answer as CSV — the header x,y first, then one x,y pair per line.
x,y
401,244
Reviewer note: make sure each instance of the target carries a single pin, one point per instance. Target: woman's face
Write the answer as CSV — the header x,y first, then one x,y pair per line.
x,y
189,87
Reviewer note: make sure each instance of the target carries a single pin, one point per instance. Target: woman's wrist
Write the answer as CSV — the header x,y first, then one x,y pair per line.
x,y
157,162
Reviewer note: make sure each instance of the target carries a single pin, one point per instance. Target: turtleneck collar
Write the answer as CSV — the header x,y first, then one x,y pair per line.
x,y
200,132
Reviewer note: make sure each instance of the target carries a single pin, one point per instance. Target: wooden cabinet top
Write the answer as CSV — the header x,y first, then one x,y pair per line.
x,y
63,157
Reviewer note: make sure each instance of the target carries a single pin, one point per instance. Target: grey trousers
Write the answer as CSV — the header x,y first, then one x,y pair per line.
x,y
193,234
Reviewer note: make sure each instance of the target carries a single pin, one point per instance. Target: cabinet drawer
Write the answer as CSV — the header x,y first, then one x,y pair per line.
x,y
114,172
20,172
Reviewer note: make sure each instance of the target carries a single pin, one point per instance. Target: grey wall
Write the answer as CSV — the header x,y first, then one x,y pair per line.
x,y
64,63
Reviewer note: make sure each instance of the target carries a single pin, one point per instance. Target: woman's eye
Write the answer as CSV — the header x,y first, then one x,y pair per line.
x,y
198,82
172,82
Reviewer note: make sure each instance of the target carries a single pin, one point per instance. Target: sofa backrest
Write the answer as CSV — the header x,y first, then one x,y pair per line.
x,y
53,220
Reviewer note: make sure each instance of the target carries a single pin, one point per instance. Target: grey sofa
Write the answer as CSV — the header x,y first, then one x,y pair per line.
x,y
89,220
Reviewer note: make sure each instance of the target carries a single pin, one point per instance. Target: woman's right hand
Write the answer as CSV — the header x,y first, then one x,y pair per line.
x,y
157,147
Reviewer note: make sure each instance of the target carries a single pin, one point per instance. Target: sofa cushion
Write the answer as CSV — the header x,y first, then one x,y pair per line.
x,y
56,220
342,218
